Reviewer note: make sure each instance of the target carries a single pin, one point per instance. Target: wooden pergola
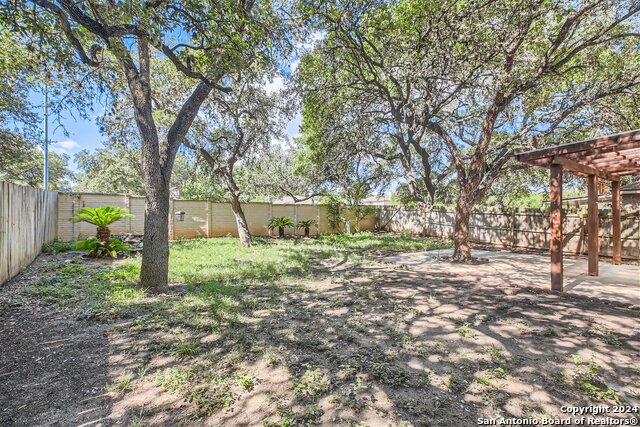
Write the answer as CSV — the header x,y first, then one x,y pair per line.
x,y
606,158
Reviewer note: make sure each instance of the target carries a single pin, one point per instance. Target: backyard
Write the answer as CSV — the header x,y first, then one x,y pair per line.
x,y
301,213
301,331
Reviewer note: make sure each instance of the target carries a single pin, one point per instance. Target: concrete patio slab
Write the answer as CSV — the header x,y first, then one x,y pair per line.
x,y
620,283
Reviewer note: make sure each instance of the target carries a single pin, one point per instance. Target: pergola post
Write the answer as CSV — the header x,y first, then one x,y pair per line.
x,y
615,219
606,157
555,244
593,224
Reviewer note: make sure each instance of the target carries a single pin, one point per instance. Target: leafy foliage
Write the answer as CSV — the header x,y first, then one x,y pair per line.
x,y
22,162
57,246
306,224
335,208
102,216
102,244
280,222
98,248
455,88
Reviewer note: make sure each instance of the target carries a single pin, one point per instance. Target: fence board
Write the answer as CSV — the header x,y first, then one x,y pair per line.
x,y
518,228
28,220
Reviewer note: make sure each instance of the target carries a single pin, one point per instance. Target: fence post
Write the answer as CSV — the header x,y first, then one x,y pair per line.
x,y
209,218
425,221
127,203
513,226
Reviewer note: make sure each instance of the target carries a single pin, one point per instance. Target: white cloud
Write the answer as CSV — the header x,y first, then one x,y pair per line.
x,y
293,127
274,85
68,146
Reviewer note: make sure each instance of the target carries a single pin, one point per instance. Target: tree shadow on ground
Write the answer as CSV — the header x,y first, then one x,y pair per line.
x,y
54,369
385,345
374,344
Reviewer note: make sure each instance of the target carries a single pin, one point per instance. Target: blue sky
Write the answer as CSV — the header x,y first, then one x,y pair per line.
x,y
71,133
74,133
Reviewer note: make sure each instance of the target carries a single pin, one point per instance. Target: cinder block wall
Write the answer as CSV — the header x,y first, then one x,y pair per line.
x,y
202,218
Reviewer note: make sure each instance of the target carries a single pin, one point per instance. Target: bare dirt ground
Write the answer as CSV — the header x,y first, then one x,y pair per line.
x,y
377,344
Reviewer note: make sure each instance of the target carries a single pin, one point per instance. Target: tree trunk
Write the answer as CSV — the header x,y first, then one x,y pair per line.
x,y
462,249
157,160
154,272
103,233
281,231
306,232
241,221
405,161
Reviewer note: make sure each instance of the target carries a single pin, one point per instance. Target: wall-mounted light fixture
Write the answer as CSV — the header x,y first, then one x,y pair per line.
x,y
180,216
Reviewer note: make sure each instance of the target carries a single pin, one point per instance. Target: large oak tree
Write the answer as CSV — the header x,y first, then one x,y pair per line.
x,y
487,79
237,130
205,41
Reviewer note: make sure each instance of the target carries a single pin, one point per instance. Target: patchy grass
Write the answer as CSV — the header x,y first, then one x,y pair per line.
x,y
98,288
303,332
311,384
215,271
57,246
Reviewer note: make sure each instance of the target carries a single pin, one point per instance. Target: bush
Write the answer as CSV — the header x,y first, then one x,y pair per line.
x,y
57,246
280,222
306,225
102,248
335,207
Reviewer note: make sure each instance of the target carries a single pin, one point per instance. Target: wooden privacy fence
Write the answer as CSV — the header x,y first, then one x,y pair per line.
x,y
28,220
202,218
517,228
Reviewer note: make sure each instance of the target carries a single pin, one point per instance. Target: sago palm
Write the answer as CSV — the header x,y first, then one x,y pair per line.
x,y
306,224
102,218
280,222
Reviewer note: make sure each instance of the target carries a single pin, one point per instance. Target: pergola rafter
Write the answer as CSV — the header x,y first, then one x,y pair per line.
x,y
608,158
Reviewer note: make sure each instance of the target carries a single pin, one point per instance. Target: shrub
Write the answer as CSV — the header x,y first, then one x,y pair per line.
x,y
57,246
280,222
306,224
99,248
102,218
335,207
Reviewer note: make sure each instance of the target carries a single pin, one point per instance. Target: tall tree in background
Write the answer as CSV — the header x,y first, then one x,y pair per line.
x,y
22,159
205,40
490,78
348,151
238,129
22,162
286,171
543,67
355,73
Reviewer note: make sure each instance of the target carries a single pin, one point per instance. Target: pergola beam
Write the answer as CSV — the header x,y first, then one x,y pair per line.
x,y
588,144
608,158
574,166
627,147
